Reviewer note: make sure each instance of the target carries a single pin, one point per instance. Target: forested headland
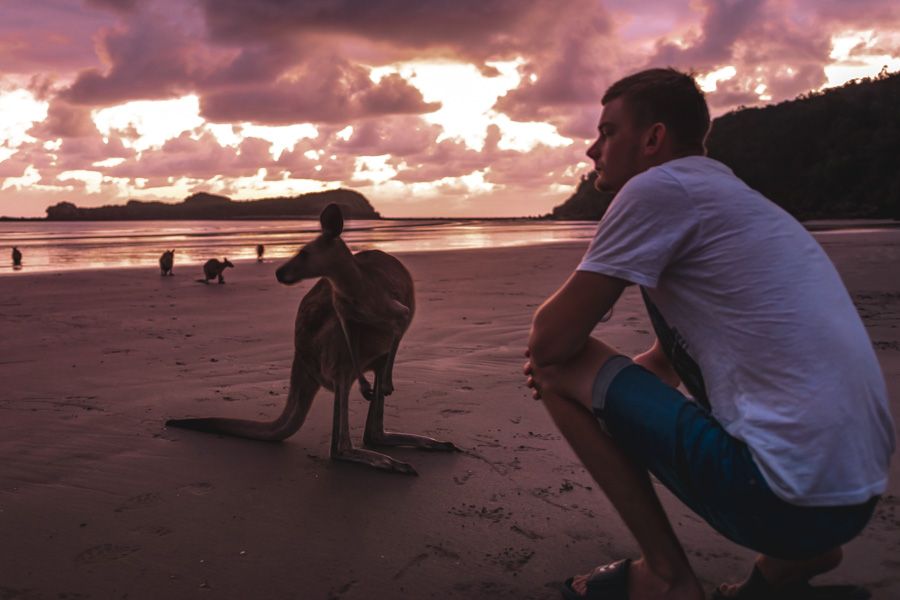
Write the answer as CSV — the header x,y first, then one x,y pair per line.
x,y
212,206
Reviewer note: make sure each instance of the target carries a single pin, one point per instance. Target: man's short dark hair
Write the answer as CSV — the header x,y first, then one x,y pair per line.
x,y
669,97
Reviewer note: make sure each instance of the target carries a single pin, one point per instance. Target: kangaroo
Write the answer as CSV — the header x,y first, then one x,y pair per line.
x,y
350,322
166,261
213,268
260,250
16,257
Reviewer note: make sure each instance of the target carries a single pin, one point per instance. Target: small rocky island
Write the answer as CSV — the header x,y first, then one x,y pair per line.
x,y
211,206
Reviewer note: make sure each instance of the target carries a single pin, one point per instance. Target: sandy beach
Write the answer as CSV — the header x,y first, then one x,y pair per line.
x,y
98,500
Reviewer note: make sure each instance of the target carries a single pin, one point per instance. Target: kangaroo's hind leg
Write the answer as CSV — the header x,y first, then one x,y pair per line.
x,y
341,445
375,435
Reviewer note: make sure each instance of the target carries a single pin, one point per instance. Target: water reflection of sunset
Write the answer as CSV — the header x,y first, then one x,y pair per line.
x,y
91,245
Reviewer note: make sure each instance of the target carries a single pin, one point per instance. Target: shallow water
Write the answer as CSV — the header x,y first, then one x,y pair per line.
x,y
64,246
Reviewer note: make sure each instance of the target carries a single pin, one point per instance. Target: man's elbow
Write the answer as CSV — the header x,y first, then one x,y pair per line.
x,y
545,349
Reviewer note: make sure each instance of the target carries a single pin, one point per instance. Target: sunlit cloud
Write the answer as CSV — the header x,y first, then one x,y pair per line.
x,y
467,97
108,162
282,138
374,169
709,82
149,123
91,179
19,111
858,54
29,178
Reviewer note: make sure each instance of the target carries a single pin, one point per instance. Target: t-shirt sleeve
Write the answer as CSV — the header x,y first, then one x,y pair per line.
x,y
645,228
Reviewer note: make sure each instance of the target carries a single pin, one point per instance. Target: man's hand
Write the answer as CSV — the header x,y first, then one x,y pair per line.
x,y
573,380
530,380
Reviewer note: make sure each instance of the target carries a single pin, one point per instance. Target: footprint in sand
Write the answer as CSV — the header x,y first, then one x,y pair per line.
x,y
454,411
511,559
199,488
158,530
105,553
139,501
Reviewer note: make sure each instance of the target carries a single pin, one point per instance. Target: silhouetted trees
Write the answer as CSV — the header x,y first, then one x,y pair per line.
x,y
586,204
211,206
831,154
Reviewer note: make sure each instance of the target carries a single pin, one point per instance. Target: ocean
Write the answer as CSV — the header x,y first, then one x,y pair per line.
x,y
65,246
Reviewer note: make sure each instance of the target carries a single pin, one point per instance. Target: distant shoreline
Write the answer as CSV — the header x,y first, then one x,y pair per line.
x,y
810,225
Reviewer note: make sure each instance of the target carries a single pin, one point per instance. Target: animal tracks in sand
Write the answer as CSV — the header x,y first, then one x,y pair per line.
x,y
494,515
139,501
510,560
431,551
103,553
200,488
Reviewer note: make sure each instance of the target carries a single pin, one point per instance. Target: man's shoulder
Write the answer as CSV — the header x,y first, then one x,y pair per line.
x,y
656,184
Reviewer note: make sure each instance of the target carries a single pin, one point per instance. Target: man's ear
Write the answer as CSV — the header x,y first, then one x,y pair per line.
x,y
654,138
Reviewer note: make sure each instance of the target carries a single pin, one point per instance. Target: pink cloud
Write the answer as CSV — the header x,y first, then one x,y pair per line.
x,y
329,90
65,120
201,158
48,37
148,57
485,28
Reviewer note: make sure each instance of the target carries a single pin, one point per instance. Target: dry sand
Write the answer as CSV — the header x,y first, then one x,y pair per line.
x,y
98,500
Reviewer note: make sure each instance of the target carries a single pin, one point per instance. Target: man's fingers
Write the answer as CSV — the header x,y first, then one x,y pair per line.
x,y
527,368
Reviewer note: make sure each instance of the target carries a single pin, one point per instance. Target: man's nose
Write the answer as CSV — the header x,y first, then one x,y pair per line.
x,y
593,151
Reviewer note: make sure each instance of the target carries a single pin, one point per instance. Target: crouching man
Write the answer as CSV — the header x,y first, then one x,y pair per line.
x,y
784,446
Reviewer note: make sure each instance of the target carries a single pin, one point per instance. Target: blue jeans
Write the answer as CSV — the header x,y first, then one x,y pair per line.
x,y
712,472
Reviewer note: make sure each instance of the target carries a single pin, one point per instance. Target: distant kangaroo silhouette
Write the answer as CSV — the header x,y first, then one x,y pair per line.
x,y
17,257
260,250
213,268
351,321
166,261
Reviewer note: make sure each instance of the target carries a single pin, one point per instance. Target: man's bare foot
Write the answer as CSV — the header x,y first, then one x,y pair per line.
x,y
779,572
643,584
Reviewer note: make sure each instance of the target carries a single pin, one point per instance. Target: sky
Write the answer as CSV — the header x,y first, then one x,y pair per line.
x,y
427,107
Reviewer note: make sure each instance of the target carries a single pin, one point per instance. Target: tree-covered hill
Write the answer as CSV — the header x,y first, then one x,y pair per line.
x,y
211,206
834,154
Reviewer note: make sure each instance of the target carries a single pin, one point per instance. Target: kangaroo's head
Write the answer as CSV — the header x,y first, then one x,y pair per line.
x,y
226,263
321,256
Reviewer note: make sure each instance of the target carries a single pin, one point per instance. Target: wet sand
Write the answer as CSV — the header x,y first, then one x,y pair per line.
x,y
99,500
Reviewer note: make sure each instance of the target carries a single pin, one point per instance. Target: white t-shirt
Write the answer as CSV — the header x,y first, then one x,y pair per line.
x,y
788,365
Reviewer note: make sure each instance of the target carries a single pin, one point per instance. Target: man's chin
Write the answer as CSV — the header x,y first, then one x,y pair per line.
x,y
601,185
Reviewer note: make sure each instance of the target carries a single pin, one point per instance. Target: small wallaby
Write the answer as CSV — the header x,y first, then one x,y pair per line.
x,y
17,257
349,323
260,250
213,268
166,261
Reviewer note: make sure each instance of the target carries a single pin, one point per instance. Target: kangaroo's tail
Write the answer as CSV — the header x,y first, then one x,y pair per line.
x,y
303,389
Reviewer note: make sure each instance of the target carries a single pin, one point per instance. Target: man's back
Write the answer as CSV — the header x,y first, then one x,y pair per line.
x,y
787,363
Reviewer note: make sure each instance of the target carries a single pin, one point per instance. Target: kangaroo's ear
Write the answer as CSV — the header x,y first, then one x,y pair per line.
x,y
332,221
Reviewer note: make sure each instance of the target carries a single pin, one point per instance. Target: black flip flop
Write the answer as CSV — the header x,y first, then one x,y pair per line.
x,y
609,582
757,588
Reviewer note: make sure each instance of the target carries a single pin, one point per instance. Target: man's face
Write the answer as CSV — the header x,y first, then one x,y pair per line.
x,y
617,152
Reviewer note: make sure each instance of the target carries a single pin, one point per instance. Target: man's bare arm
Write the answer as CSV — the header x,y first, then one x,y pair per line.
x,y
563,323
